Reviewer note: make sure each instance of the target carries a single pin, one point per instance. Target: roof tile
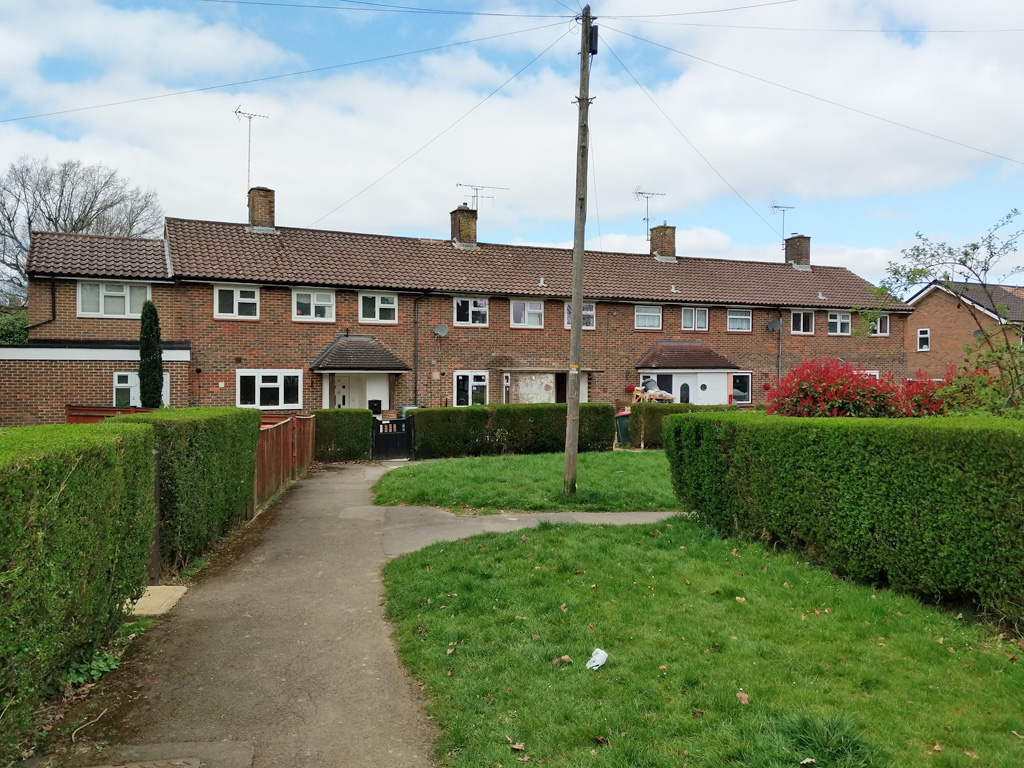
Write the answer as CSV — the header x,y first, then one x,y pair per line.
x,y
62,253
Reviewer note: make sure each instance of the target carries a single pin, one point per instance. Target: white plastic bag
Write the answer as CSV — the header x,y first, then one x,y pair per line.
x,y
598,658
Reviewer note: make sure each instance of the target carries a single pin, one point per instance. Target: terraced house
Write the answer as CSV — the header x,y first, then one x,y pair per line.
x,y
280,318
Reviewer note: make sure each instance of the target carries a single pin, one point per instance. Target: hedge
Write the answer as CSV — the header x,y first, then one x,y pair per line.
x,y
483,430
343,434
76,521
207,465
645,420
931,506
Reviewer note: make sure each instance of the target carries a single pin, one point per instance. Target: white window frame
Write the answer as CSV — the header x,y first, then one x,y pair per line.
x,y
475,304
103,287
531,307
750,388
471,375
870,373
839,319
876,324
695,313
802,314
130,380
259,373
589,311
381,301
924,334
236,300
743,316
315,300
639,311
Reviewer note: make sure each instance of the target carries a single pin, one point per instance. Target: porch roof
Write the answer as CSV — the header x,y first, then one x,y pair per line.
x,y
358,352
683,355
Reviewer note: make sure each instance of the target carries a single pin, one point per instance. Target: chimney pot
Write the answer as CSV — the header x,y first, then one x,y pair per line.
x,y
261,207
464,227
663,241
798,250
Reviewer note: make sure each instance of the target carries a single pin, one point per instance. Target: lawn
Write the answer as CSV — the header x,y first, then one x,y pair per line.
x,y
606,482
720,654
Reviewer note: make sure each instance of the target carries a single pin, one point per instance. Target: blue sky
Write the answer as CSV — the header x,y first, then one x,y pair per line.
x,y
822,105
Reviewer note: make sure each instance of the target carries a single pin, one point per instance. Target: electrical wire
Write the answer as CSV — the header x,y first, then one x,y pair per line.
x,y
823,30
700,13
693,146
442,133
269,78
818,98
382,8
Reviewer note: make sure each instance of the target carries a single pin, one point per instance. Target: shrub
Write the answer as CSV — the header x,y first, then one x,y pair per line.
x,y
829,387
483,430
207,463
645,420
343,434
151,363
76,522
930,506
14,329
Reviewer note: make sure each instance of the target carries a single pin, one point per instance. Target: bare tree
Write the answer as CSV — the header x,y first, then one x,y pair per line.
x,y
68,197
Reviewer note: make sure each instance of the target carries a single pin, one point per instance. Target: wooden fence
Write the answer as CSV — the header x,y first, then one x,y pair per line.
x,y
283,453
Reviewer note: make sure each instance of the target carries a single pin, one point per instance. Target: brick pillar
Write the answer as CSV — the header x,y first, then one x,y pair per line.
x,y
261,207
464,225
798,250
663,241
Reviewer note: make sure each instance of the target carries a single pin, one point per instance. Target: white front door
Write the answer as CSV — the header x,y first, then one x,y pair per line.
x,y
684,386
342,392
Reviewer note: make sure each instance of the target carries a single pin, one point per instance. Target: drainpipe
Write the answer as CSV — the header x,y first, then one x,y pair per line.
x,y
416,348
53,306
780,344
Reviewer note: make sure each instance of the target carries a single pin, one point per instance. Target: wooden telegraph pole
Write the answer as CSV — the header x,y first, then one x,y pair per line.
x,y
588,46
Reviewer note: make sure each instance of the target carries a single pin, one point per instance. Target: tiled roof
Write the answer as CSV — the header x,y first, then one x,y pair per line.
x,y
61,253
683,354
357,353
218,251
1007,301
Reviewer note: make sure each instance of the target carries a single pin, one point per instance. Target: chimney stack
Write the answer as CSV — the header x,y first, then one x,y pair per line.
x,y
464,227
663,241
261,208
798,250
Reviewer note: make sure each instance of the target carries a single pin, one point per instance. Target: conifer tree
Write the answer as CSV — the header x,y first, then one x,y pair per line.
x,y
151,363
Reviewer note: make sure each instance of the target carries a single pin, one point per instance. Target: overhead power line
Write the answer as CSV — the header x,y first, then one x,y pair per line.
x,y
382,8
269,78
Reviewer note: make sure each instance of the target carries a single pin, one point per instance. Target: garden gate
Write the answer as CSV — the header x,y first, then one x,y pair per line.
x,y
392,439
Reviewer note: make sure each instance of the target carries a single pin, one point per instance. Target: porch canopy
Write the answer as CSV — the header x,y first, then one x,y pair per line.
x,y
358,352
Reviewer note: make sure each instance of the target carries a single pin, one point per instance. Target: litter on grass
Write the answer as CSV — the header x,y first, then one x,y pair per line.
x,y
598,658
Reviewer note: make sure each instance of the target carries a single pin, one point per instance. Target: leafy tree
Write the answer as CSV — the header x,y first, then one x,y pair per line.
x,y
67,197
977,267
13,331
151,364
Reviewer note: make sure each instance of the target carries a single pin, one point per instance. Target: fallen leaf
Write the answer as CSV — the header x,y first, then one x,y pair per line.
x,y
593,586
450,670
601,740
518,746
523,759
787,585
936,748
579,573
951,649
663,667
744,699
591,627
682,547
737,573
828,610
817,612
809,761
534,637
971,753
564,608
942,640
697,713
559,660
655,534
741,599
451,651
734,553
687,581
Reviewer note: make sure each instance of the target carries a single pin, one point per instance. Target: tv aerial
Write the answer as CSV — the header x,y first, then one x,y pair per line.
x,y
779,208
248,163
639,194
477,188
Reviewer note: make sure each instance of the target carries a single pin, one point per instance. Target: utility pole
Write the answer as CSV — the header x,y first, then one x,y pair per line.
x,y
588,46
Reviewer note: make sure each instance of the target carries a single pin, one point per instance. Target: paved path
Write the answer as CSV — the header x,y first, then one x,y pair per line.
x,y
280,655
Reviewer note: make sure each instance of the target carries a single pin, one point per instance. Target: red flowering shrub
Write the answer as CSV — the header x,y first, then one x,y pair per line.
x,y
829,387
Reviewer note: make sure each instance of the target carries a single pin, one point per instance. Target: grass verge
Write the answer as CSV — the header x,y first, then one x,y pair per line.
x,y
717,657
607,482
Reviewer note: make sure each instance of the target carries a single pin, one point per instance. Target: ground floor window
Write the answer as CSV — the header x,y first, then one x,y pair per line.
x,y
268,389
470,388
741,388
126,390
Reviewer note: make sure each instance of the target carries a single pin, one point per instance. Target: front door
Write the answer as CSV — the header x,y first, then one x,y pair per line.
x,y
685,384
342,392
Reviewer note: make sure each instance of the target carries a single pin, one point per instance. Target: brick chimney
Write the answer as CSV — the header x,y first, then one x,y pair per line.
x,y
798,250
261,207
663,241
464,227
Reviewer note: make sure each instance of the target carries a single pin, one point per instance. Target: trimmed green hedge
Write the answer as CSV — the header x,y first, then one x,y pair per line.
x,y
932,506
645,420
484,430
207,466
76,521
343,434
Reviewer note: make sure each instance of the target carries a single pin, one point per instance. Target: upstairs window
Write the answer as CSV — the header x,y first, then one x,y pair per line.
x,y
471,311
802,323
526,314
695,318
589,315
924,339
880,326
378,308
112,299
739,320
839,323
237,303
647,318
313,306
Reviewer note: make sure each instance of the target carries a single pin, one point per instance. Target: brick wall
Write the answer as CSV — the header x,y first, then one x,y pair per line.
x,y
68,325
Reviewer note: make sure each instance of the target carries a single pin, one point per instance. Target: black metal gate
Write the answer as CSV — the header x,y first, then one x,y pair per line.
x,y
392,439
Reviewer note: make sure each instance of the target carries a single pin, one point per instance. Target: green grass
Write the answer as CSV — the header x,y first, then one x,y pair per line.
x,y
843,674
606,482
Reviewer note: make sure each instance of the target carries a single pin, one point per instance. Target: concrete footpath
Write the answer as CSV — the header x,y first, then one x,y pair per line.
x,y
280,654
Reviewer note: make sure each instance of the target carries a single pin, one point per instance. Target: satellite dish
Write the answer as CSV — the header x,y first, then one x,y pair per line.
x,y
440,329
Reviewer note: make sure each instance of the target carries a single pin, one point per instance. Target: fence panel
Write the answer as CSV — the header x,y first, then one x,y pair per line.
x,y
305,438
273,461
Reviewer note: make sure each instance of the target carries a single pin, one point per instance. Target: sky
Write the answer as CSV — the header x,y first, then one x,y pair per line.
x,y
856,122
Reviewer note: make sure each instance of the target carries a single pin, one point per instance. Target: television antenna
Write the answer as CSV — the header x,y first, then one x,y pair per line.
x,y
477,188
778,208
248,163
639,194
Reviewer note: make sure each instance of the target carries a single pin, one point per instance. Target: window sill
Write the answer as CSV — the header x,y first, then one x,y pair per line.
x,y
229,318
312,320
